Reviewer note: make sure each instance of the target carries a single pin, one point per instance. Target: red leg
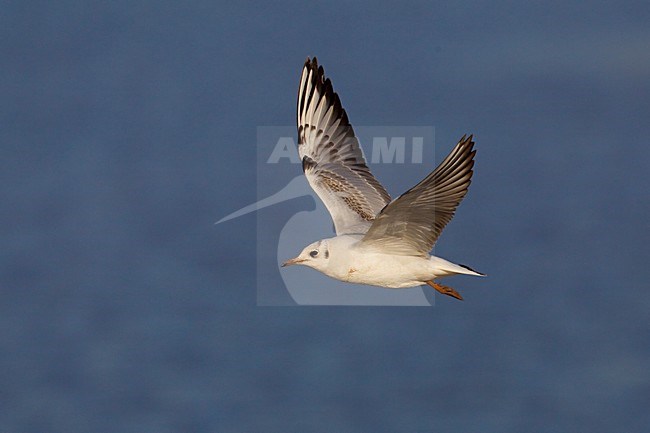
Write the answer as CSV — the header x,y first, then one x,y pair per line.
x,y
445,290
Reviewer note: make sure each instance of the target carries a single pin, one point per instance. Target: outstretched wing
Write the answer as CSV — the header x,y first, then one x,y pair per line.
x,y
411,224
331,157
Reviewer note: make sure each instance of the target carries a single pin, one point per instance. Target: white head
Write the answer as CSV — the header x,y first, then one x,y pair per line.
x,y
315,256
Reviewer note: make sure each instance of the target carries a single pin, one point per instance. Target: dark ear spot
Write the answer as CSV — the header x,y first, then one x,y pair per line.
x,y
327,254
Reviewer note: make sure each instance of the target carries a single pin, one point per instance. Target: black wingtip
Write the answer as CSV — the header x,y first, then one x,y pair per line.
x,y
318,71
311,63
465,139
466,145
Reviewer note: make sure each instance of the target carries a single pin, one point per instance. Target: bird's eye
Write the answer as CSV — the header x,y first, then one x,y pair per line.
x,y
313,253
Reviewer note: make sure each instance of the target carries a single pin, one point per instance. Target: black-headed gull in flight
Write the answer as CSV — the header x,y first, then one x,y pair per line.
x,y
378,241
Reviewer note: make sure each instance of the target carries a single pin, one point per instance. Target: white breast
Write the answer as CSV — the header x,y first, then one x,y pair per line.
x,y
364,266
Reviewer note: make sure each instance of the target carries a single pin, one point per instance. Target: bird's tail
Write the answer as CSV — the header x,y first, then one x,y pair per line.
x,y
470,271
450,268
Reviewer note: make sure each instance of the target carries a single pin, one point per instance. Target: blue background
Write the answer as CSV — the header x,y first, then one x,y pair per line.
x,y
128,128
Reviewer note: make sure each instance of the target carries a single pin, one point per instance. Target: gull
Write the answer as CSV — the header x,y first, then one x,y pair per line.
x,y
378,242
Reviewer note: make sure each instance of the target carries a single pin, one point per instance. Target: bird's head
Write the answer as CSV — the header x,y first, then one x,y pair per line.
x,y
315,256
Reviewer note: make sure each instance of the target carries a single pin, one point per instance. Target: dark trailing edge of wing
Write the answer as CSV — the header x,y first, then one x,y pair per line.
x,y
307,162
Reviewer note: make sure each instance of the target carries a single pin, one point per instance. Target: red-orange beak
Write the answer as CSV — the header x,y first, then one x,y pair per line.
x,y
293,261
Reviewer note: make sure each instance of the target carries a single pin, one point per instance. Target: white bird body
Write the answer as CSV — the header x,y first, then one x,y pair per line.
x,y
345,258
379,242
